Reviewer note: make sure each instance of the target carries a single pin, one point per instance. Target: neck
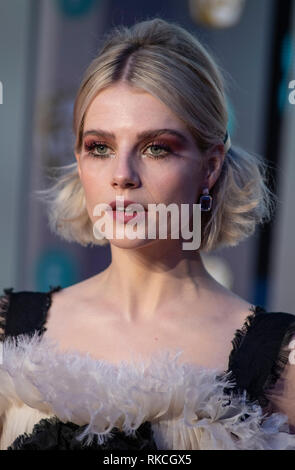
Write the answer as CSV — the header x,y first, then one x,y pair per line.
x,y
147,280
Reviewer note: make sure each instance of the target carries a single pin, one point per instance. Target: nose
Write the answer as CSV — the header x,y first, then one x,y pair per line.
x,y
124,175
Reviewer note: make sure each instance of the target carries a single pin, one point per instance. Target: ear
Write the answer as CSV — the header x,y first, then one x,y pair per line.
x,y
77,156
214,161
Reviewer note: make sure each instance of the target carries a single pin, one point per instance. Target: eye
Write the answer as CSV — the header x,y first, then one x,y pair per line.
x,y
159,150
100,148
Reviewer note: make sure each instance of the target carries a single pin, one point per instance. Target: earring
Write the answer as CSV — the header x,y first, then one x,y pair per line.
x,y
206,200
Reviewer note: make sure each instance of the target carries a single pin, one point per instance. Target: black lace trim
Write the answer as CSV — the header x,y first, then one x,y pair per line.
x,y
4,307
241,333
281,361
237,341
42,327
53,434
280,357
44,304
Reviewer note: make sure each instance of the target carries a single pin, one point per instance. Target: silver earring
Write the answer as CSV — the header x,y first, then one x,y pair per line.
x,y
206,201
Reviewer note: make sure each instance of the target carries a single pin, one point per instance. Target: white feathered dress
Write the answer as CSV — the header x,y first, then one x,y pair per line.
x,y
55,400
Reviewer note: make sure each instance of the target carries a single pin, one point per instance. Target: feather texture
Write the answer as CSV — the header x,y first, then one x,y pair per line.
x,y
186,404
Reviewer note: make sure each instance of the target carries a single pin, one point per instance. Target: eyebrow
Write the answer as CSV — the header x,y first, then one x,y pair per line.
x,y
142,135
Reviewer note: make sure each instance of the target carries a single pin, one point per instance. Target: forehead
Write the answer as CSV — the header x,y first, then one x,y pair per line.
x,y
124,106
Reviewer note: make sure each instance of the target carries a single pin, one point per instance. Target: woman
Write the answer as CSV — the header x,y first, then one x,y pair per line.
x,y
151,353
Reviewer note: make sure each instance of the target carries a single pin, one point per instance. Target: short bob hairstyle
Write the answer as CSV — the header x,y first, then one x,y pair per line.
x,y
168,62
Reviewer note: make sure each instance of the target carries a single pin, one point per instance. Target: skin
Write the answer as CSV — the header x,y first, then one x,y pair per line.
x,y
187,309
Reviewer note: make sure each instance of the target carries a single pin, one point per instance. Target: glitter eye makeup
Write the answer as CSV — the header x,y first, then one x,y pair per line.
x,y
158,149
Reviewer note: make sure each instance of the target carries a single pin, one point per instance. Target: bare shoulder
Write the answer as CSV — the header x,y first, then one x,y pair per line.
x,y
216,327
227,305
202,329
72,303
79,293
220,308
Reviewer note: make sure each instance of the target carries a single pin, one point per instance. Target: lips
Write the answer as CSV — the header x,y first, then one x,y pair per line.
x,y
125,204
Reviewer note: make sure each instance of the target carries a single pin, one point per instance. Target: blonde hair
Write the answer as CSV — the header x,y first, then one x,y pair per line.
x,y
170,63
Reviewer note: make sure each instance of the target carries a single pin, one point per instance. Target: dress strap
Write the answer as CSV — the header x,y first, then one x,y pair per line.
x,y
241,333
256,361
24,312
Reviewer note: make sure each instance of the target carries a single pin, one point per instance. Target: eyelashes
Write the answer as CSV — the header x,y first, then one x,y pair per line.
x,y
165,150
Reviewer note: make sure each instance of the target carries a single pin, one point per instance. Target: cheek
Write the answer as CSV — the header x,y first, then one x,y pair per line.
x,y
92,187
183,186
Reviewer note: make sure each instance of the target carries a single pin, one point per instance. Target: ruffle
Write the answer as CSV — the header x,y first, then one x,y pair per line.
x,y
261,345
41,327
241,333
282,359
185,404
53,434
24,312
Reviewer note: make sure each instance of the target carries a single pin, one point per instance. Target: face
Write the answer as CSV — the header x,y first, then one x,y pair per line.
x,y
135,146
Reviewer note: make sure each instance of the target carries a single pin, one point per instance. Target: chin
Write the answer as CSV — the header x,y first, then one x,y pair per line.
x,y
126,243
